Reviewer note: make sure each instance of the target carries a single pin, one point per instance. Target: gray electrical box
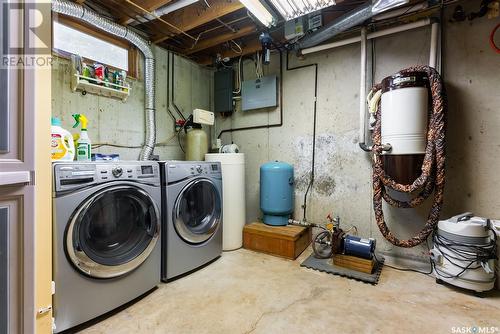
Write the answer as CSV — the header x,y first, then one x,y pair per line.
x,y
259,93
223,90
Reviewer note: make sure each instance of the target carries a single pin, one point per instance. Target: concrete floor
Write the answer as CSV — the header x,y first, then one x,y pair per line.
x,y
248,292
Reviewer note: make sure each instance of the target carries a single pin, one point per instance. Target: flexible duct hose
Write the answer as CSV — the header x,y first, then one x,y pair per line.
x,y
433,166
81,13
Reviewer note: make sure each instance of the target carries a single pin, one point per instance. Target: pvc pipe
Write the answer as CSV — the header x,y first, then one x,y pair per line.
x,y
401,11
362,89
434,44
376,34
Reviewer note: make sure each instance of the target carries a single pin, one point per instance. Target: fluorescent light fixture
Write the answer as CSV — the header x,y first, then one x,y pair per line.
x,y
380,6
259,11
291,9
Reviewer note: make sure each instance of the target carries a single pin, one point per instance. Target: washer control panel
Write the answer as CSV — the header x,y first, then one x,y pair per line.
x,y
69,176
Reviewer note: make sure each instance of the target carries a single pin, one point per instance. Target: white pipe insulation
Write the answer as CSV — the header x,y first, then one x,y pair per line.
x,y
362,89
83,14
372,35
434,44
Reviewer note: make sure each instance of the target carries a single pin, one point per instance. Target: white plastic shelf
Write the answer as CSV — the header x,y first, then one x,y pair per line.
x,y
91,85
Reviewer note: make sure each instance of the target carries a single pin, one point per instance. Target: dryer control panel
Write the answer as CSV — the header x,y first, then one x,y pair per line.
x,y
179,170
68,176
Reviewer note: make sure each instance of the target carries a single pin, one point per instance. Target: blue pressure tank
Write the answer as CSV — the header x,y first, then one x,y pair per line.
x,y
276,192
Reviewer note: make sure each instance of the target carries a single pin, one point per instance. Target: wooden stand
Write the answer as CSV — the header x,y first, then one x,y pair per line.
x,y
284,241
354,263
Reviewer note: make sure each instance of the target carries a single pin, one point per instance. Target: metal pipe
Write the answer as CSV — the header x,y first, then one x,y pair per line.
x,y
160,19
434,44
376,34
79,12
349,20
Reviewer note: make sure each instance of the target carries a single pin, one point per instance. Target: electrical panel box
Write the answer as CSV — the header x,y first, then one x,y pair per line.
x,y
294,28
315,21
223,90
259,93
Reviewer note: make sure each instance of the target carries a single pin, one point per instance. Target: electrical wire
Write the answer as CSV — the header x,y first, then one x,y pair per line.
x,y
464,256
163,143
406,269
238,77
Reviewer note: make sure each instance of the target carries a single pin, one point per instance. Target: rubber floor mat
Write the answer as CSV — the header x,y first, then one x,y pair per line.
x,y
326,265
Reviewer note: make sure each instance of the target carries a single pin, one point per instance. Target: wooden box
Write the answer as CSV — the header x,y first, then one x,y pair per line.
x,y
285,241
354,263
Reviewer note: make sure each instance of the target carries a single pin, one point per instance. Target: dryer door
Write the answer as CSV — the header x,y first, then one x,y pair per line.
x,y
113,232
197,211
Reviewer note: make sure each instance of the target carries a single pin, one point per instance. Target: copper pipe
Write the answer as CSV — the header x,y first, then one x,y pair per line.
x,y
160,19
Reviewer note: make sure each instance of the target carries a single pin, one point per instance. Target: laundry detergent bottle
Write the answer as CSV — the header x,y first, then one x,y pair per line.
x,y
83,144
62,146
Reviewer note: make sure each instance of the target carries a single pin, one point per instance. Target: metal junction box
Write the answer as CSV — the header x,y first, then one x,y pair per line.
x,y
259,93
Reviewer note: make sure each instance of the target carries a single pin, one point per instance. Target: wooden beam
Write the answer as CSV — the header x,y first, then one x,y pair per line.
x,y
198,14
219,39
251,46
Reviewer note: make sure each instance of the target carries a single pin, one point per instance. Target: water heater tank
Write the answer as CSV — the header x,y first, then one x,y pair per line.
x,y
276,192
404,105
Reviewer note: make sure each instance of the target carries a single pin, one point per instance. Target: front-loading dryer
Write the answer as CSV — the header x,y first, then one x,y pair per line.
x,y
192,216
106,230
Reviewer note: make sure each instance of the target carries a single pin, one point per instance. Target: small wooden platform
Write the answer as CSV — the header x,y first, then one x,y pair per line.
x,y
284,241
354,263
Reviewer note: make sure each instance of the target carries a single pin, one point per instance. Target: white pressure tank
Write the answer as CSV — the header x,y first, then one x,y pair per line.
x,y
233,197
404,109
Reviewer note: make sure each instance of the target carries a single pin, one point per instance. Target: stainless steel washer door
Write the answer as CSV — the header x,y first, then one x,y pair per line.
x,y
113,232
197,211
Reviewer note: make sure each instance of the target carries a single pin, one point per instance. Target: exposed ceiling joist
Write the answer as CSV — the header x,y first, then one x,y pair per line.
x,y
219,39
198,14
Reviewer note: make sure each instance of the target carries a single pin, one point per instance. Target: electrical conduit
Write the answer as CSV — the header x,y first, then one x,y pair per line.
x,y
81,13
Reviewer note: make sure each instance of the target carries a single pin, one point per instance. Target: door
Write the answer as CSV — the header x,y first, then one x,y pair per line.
x,y
113,232
197,211
17,173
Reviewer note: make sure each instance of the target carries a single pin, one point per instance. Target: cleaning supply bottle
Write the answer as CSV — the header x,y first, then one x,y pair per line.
x,y
62,146
84,145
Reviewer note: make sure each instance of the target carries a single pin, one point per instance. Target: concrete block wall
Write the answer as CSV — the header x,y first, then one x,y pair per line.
x,y
116,122
343,171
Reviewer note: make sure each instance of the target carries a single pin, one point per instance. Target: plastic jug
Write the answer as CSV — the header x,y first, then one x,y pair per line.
x,y
62,146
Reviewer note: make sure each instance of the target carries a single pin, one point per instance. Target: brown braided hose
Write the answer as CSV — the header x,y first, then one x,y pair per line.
x,y
433,166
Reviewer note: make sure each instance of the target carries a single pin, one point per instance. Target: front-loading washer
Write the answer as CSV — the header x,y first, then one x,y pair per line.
x,y
192,216
106,230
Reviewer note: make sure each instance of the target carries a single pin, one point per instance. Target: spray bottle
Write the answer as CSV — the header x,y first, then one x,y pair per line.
x,y
83,144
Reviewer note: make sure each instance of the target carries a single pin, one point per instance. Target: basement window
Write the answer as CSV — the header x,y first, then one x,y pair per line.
x,y
68,40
